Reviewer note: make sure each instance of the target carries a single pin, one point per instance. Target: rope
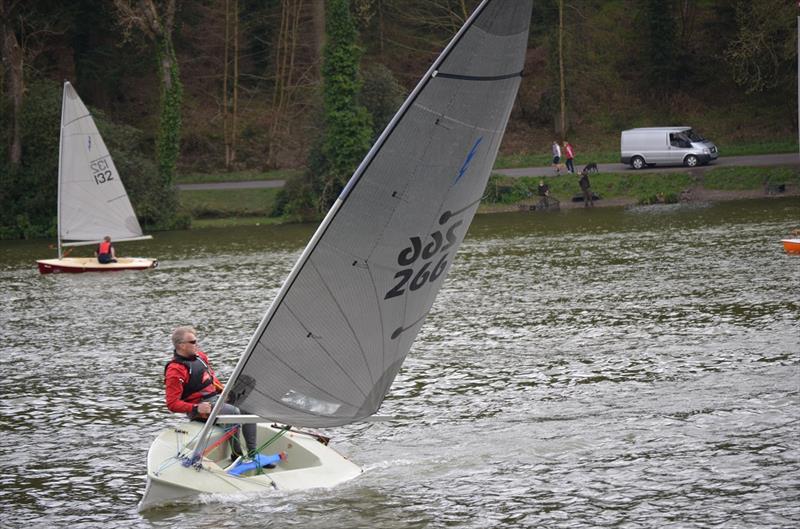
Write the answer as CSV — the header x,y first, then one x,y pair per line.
x,y
181,445
218,442
272,439
221,440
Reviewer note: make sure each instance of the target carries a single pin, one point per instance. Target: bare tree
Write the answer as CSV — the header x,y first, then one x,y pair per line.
x,y
157,25
318,20
25,32
761,53
435,21
286,74
12,61
230,112
563,131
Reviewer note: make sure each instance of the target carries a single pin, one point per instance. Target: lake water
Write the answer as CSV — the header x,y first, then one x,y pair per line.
x,y
616,367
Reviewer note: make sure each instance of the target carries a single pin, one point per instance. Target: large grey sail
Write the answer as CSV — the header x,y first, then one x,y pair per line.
x,y
333,341
92,200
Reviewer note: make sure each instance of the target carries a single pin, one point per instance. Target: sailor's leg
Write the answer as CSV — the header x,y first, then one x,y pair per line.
x,y
248,430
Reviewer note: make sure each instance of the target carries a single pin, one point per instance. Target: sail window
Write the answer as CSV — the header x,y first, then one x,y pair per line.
x,y
310,404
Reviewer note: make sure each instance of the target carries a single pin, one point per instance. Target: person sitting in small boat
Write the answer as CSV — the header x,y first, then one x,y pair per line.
x,y
193,388
105,251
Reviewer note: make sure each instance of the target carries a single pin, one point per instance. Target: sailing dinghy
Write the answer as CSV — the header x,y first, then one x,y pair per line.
x,y
327,350
791,245
92,201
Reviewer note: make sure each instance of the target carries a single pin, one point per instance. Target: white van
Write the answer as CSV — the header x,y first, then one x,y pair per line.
x,y
665,146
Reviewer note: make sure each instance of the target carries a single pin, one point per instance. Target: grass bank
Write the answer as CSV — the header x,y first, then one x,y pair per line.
x,y
641,188
236,207
236,176
227,203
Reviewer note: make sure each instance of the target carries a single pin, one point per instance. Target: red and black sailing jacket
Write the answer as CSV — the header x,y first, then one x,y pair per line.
x,y
188,382
104,248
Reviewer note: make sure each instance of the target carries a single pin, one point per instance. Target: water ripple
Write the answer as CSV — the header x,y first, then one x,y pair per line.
x,y
628,368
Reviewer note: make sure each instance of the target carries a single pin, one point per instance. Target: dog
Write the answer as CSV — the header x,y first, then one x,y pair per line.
x,y
591,167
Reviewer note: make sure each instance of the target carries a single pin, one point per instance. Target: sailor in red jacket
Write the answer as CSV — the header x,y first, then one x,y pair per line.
x,y
192,387
105,251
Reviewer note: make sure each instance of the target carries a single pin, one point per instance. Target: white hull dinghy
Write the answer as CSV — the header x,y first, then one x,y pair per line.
x,y
327,350
92,202
309,463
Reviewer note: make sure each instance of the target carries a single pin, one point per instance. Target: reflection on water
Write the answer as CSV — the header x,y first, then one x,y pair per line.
x,y
635,368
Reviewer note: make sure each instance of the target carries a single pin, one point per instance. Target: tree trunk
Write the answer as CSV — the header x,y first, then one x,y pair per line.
x,y
563,131
225,108
286,49
13,60
318,20
235,78
290,80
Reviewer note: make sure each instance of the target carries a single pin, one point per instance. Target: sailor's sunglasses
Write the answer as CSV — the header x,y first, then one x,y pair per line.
x,y
190,341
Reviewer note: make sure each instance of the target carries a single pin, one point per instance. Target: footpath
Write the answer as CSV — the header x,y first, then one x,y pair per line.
x,y
760,160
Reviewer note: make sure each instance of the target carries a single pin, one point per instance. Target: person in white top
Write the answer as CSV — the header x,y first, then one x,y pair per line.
x,y
557,157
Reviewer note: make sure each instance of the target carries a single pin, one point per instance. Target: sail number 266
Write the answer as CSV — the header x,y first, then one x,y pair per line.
x,y
437,247
101,171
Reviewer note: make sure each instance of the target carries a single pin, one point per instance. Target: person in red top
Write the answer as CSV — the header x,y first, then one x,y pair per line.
x,y
105,251
193,388
570,154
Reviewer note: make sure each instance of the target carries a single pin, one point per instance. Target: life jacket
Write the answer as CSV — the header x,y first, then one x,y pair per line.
x,y
200,379
104,248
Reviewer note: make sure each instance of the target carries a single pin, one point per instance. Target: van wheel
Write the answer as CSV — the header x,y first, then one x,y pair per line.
x,y
637,162
690,161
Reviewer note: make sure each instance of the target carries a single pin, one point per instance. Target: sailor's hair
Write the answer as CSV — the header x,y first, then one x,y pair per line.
x,y
180,333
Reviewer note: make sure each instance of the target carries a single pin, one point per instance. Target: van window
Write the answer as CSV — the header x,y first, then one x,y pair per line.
x,y
693,136
677,139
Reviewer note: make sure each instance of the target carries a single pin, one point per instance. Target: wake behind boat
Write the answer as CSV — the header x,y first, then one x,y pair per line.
x,y
328,349
92,202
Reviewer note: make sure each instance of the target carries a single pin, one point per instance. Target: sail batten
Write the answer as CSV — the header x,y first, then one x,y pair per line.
x,y
332,342
464,77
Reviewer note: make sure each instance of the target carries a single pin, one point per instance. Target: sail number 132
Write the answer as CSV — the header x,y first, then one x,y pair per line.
x,y
101,171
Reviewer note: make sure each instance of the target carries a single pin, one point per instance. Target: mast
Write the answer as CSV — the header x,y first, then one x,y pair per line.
x,y
60,170
354,180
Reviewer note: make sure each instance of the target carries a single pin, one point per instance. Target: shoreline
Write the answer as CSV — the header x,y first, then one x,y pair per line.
x,y
694,194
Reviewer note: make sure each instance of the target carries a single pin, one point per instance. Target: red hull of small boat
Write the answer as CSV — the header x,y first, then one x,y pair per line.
x,y
79,265
791,245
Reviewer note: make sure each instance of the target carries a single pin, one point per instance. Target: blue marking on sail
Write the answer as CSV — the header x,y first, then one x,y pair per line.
x,y
467,161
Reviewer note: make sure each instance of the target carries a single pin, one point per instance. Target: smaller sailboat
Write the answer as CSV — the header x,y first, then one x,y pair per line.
x,y
791,245
92,202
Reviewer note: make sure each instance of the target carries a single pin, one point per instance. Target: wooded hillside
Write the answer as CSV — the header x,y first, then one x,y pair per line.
x,y
214,85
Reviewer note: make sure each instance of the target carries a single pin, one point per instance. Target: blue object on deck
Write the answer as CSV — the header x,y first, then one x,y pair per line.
x,y
257,462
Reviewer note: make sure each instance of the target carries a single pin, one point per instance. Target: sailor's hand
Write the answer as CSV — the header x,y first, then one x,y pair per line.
x,y
204,409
